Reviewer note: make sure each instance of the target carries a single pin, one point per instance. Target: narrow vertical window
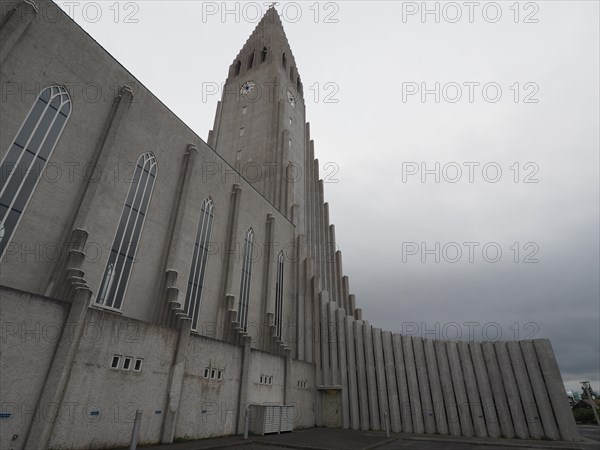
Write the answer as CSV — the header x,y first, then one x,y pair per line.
x,y
284,61
279,295
193,296
242,131
246,277
251,61
263,55
122,254
26,158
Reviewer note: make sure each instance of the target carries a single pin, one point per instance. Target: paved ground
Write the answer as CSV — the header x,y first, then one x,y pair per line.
x,y
336,439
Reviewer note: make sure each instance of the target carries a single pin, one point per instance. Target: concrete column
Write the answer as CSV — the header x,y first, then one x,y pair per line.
x,y
18,22
173,244
341,341
485,391
176,383
352,378
392,386
229,257
529,405
300,297
447,388
321,262
361,372
355,312
333,345
512,393
556,391
102,151
325,357
436,389
404,399
309,313
333,266
472,393
345,291
329,253
371,376
382,394
426,403
466,424
60,369
287,376
214,133
268,286
314,180
306,178
497,386
244,383
343,301
316,329
539,390
413,386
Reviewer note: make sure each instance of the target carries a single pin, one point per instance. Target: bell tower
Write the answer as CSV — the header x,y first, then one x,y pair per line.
x,y
260,121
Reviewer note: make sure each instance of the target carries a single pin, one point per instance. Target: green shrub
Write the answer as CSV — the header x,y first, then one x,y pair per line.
x,y
584,416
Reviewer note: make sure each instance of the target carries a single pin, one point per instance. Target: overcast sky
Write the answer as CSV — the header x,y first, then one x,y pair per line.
x,y
518,92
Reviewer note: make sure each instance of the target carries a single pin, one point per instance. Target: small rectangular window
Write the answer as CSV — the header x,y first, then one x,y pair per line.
x,y
114,363
212,374
244,110
206,372
290,142
242,131
261,379
127,363
238,155
219,374
137,366
290,121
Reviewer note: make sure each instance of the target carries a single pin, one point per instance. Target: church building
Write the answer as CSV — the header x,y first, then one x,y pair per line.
x,y
146,270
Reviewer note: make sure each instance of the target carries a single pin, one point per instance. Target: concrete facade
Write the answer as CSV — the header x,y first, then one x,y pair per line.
x,y
75,371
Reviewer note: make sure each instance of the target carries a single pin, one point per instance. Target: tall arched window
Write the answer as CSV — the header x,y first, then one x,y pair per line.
x,y
279,295
251,61
246,277
122,254
193,297
26,158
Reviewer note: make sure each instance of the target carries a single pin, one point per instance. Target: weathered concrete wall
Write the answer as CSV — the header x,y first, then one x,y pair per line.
x,y
209,406
30,331
269,365
302,394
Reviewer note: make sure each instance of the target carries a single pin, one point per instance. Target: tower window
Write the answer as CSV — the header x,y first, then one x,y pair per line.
x,y
290,121
263,55
251,61
290,142
137,366
246,277
26,158
195,287
284,61
125,245
114,363
127,363
242,131
238,66
244,110
279,295
238,155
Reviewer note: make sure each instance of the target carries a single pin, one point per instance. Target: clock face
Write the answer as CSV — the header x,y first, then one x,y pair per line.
x,y
291,99
247,87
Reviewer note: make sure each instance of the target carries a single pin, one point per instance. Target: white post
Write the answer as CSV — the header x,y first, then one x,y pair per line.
x,y
246,422
136,430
